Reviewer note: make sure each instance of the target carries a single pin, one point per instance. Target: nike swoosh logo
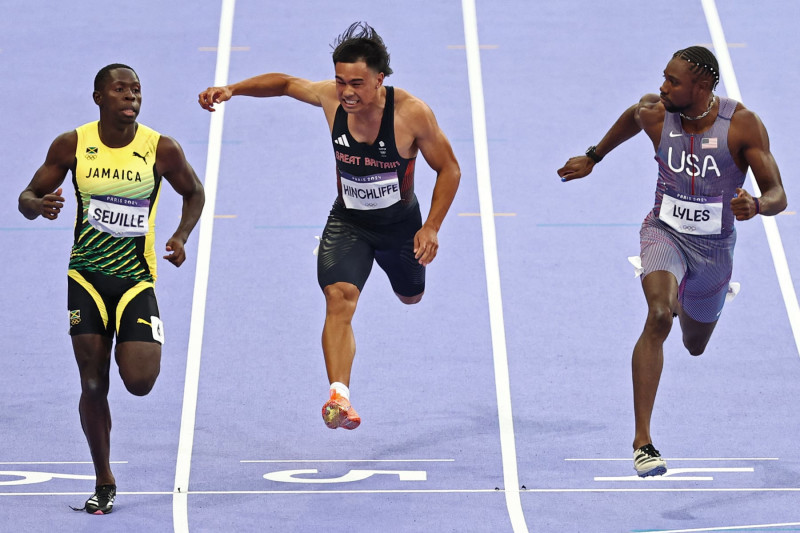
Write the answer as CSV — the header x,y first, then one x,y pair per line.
x,y
673,134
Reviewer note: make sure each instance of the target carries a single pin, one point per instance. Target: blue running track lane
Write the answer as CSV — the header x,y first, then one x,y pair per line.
x,y
428,456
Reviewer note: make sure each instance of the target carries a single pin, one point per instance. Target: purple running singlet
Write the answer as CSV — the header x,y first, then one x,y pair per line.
x,y
690,230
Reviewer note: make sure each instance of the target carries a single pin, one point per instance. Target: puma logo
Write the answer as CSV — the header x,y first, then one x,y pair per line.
x,y
144,157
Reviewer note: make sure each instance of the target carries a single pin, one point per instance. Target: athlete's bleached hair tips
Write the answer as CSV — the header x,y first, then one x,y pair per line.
x,y
702,60
360,42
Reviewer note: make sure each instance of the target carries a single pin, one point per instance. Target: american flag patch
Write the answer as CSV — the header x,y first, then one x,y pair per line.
x,y
708,143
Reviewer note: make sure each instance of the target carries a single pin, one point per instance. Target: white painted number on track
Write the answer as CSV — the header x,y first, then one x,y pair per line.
x,y
292,476
674,475
30,478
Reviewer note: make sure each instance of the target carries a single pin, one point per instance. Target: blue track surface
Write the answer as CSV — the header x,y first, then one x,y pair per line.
x,y
428,455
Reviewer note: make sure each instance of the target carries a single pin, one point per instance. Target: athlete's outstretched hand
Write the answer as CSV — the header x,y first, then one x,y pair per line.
x,y
576,167
214,95
743,205
51,205
426,244
177,254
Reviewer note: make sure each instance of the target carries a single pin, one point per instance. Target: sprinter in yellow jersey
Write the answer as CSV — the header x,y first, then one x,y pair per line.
x,y
117,165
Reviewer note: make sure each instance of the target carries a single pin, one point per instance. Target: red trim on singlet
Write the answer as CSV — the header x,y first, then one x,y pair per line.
x,y
691,157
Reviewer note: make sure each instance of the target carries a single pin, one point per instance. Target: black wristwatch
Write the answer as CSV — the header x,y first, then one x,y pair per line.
x,y
591,154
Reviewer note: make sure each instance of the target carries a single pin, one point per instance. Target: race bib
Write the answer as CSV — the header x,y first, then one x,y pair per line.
x,y
693,215
120,217
374,191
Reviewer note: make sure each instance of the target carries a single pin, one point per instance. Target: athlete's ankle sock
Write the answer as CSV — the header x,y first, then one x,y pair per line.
x,y
342,389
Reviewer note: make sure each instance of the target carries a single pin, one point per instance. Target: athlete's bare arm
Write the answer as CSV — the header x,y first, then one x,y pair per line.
x,y
172,164
647,115
417,117
317,93
42,196
749,138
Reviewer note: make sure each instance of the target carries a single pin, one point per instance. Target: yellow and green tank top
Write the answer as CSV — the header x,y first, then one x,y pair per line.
x,y
117,191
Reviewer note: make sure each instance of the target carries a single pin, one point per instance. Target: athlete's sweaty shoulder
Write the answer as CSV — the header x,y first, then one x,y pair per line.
x,y
407,104
649,114
746,132
169,155
744,121
325,91
412,114
328,98
62,149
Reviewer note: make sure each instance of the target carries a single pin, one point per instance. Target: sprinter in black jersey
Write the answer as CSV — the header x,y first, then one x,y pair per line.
x,y
377,132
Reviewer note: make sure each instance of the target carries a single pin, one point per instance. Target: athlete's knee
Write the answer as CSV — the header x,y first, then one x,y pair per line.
x,y
410,300
696,334
696,346
140,385
94,386
696,350
140,381
659,320
94,375
341,299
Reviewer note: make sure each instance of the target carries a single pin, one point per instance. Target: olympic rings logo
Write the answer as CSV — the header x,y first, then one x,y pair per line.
x,y
684,227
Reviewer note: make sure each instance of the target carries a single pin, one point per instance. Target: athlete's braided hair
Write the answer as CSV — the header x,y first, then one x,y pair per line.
x,y
702,60
105,73
361,42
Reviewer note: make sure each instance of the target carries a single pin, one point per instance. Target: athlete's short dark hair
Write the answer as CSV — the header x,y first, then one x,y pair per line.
x,y
361,42
105,73
703,62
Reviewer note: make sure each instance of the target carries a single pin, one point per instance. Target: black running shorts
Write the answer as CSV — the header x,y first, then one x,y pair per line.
x,y
106,305
347,249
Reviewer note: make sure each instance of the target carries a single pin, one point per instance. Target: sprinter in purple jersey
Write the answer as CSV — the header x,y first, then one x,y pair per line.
x,y
376,132
704,145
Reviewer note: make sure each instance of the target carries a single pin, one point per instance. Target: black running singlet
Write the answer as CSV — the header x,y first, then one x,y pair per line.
x,y
374,182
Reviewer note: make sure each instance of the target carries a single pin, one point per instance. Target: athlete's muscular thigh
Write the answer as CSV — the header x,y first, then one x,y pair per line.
x,y
138,351
661,289
395,255
93,356
345,255
139,365
696,334
661,292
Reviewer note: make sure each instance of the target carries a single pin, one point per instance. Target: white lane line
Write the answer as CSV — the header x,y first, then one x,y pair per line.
x,y
684,459
180,516
770,225
83,493
347,460
423,491
485,491
757,527
502,381
57,462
